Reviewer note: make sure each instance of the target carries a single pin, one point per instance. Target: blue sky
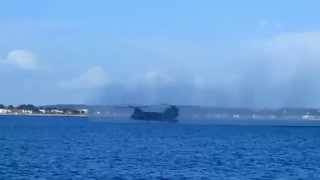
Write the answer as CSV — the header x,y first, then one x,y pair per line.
x,y
225,53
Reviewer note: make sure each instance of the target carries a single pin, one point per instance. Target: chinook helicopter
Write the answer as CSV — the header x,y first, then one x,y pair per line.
x,y
170,114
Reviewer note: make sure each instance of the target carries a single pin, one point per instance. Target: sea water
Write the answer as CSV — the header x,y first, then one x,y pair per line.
x,y
76,148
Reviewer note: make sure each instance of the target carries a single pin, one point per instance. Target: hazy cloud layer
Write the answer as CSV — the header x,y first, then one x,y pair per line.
x,y
94,77
281,71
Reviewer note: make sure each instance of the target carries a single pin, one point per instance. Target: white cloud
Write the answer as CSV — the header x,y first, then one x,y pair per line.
x,y
94,77
156,77
22,59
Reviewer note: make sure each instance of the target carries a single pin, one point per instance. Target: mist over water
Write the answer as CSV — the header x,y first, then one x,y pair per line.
x,y
279,72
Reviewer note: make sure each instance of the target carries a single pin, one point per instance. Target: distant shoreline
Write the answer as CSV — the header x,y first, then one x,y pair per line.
x,y
46,115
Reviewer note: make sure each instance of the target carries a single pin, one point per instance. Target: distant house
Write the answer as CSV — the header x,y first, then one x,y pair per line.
x,y
83,111
26,111
43,111
57,111
4,111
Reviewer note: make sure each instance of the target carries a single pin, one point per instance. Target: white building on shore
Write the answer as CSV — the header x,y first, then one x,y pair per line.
x,y
4,111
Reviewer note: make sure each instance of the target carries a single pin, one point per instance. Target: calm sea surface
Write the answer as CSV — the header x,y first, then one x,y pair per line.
x,y
74,148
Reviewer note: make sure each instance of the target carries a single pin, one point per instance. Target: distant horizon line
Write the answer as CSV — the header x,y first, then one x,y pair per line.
x,y
167,104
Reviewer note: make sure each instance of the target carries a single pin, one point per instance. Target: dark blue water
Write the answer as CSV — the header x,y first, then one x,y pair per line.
x,y
71,148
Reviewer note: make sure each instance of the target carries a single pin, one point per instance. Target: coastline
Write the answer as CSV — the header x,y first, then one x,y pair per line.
x,y
46,115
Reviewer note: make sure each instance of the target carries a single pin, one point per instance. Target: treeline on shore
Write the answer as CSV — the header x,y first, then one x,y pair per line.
x,y
32,109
